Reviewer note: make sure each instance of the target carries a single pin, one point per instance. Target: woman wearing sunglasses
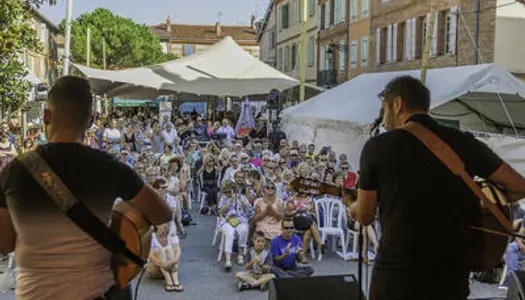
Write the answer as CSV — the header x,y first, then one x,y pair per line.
x,y
269,212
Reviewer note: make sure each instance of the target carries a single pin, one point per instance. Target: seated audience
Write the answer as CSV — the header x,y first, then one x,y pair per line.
x,y
236,212
287,249
257,269
165,256
269,211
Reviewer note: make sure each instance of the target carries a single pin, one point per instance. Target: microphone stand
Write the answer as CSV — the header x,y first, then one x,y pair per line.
x,y
360,263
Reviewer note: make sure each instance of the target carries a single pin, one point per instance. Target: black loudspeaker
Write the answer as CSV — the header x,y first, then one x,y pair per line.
x,y
516,281
316,288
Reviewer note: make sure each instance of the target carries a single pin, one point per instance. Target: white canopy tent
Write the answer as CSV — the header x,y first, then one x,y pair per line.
x,y
224,69
481,97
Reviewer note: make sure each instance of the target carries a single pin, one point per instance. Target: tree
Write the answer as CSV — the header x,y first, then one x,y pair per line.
x,y
16,37
128,44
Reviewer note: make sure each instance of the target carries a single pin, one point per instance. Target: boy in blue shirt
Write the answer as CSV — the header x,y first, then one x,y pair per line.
x,y
287,249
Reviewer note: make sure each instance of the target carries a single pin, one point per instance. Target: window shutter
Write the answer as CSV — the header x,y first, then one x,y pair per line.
x,y
378,46
413,29
406,41
394,43
389,44
434,43
453,29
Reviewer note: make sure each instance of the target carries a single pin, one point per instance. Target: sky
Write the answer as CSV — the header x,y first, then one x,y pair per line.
x,y
233,12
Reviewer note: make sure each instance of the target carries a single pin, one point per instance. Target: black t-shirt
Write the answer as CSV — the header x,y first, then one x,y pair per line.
x,y
94,177
425,210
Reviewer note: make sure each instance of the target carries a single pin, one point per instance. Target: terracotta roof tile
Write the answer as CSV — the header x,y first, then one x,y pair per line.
x,y
205,32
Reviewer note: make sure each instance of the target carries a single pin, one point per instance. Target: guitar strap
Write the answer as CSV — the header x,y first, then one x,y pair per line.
x,y
450,159
75,210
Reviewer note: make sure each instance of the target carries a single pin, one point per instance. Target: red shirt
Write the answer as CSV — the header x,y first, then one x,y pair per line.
x,y
350,180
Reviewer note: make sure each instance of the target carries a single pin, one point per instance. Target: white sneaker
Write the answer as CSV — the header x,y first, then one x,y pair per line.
x,y
240,260
228,266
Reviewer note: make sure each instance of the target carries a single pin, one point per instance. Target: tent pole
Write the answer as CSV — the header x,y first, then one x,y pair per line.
x,y
302,62
428,42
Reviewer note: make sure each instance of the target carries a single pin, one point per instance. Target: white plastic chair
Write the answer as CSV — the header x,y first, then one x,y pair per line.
x,y
333,211
203,200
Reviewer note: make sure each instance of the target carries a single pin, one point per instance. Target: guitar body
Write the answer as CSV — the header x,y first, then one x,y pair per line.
x,y
488,248
136,231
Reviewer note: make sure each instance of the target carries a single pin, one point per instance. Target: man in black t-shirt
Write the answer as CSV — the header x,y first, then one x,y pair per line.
x,y
425,211
56,259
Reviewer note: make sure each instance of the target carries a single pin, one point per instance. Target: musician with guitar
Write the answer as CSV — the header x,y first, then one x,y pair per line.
x,y
48,195
419,174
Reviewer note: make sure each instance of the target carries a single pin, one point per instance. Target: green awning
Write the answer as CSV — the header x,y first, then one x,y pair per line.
x,y
130,102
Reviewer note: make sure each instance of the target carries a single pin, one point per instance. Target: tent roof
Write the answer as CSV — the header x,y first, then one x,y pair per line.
x,y
479,89
224,69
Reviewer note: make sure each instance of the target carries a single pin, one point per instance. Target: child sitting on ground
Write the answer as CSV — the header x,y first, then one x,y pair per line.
x,y
257,274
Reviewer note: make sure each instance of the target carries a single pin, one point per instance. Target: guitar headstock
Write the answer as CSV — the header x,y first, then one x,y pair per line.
x,y
307,186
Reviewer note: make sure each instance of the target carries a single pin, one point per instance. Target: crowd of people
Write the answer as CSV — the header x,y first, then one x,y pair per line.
x,y
243,179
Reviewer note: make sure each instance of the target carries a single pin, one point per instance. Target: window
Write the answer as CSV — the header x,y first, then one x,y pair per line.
x,y
280,59
283,15
320,16
400,41
364,51
293,60
188,49
287,61
311,8
450,31
389,44
327,14
340,11
311,52
364,8
353,54
322,58
296,11
342,56
272,40
353,10
43,34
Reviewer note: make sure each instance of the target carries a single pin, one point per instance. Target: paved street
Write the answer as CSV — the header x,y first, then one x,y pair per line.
x,y
204,279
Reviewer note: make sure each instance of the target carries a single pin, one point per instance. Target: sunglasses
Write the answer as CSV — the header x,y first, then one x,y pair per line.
x,y
163,187
344,168
270,188
288,227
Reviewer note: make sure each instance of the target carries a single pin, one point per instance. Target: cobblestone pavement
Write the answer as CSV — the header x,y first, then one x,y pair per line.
x,y
204,279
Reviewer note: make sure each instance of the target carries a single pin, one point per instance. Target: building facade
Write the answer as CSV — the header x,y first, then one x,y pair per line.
x,y
44,64
183,40
267,35
332,42
359,37
398,31
288,41
509,46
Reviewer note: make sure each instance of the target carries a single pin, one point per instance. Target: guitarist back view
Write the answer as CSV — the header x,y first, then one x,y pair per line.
x,y
426,211
56,259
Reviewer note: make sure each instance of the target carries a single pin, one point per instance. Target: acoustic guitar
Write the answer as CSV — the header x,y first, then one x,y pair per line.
x,y
316,188
136,231
490,238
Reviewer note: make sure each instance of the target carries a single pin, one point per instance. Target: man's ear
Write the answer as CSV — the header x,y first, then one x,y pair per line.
x,y
47,116
398,105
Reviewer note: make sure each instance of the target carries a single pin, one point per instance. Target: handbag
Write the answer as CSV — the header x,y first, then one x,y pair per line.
x,y
234,221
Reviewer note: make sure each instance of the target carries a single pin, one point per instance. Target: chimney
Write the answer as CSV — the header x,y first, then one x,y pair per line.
x,y
218,29
253,22
168,24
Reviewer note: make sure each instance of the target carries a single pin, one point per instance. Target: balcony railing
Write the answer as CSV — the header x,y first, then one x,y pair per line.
x,y
327,78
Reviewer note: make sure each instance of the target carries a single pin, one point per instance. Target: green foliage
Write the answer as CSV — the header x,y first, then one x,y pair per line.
x,y
127,44
16,37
